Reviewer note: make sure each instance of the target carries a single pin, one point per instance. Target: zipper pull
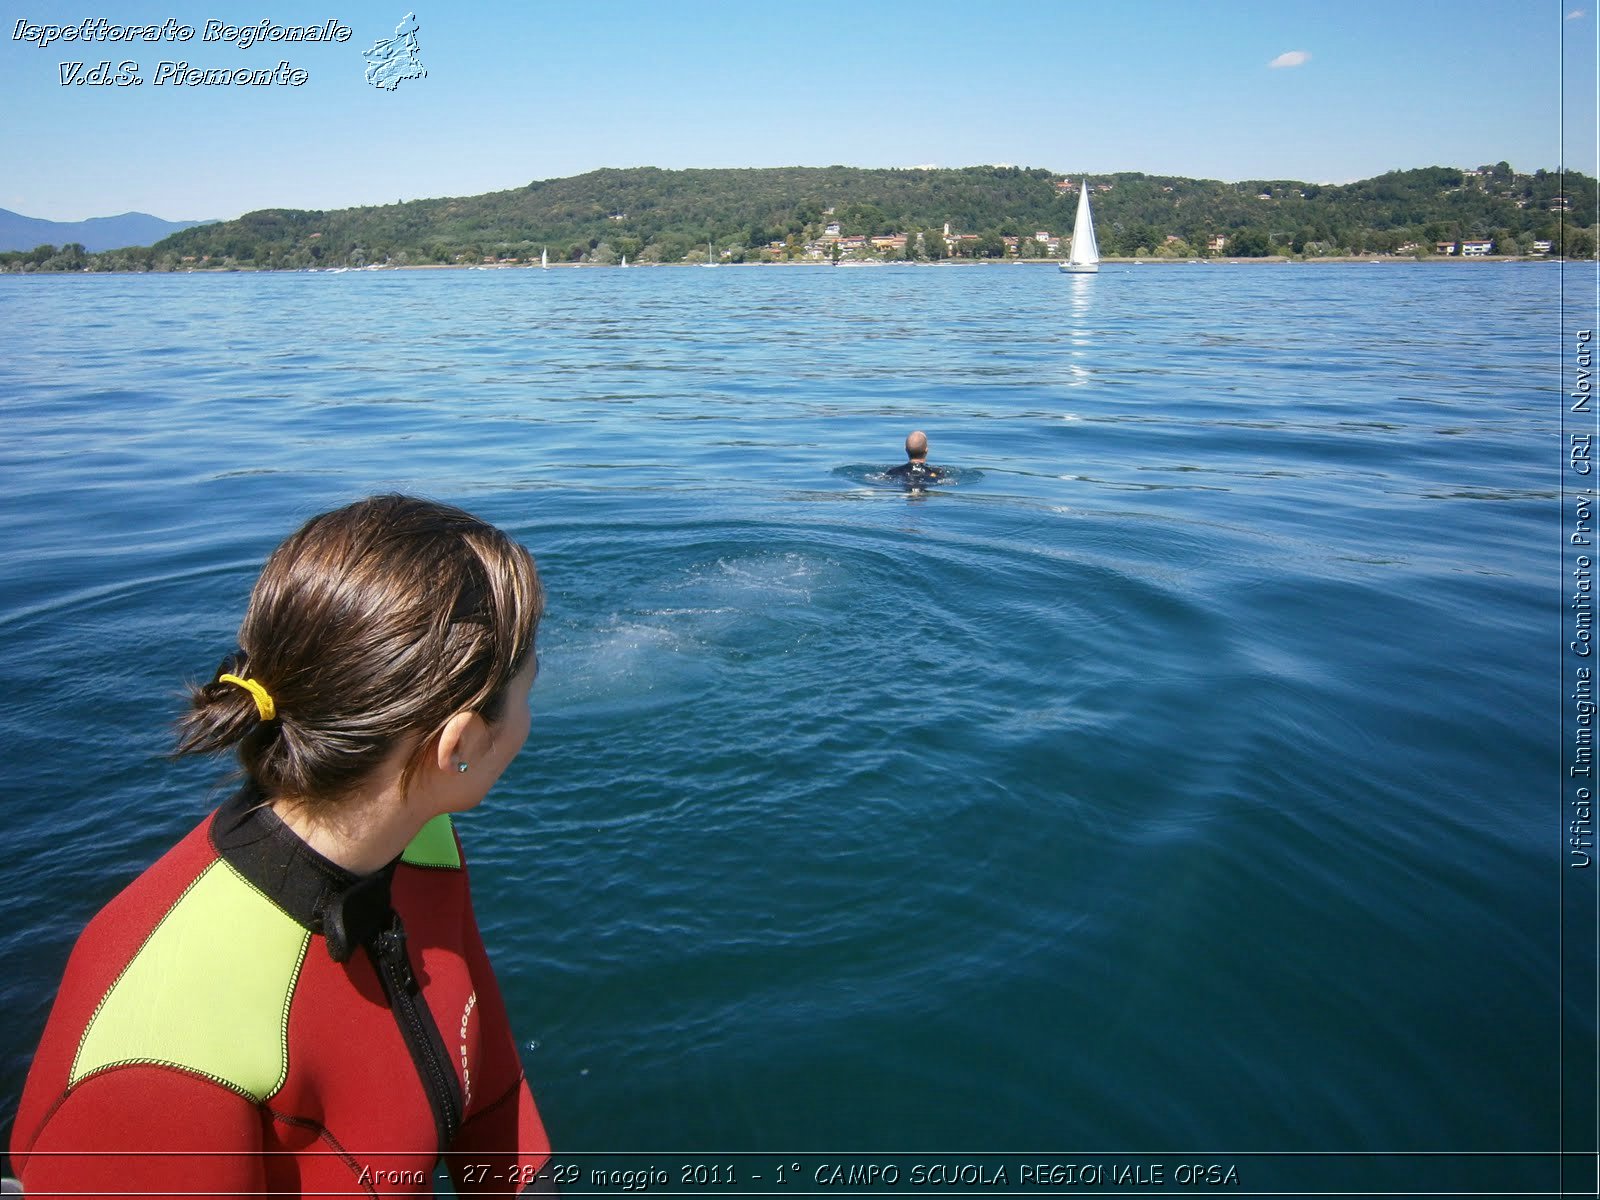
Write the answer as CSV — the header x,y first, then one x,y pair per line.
x,y
391,947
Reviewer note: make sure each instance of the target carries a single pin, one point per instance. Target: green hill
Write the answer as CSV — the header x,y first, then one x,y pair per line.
x,y
751,214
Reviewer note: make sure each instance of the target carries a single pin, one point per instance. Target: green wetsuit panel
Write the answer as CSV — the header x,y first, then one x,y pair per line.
x,y
208,991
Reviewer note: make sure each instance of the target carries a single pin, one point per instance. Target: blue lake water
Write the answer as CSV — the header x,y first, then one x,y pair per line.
x,y
1180,779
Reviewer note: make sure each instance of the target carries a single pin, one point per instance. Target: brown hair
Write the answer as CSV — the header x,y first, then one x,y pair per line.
x,y
371,623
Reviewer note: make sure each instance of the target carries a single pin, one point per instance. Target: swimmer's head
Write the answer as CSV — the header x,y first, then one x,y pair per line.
x,y
370,628
917,446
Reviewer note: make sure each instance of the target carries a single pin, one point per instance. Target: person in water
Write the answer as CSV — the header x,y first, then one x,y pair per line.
x,y
916,471
295,999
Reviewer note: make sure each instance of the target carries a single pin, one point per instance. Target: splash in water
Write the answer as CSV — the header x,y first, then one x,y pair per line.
x,y
891,478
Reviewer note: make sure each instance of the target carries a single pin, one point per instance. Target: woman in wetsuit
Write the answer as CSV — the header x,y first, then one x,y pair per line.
x,y
295,998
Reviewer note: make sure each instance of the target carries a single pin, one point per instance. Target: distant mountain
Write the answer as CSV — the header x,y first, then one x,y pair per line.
x,y
18,232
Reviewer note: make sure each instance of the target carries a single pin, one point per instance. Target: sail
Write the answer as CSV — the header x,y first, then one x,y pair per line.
x,y
1084,248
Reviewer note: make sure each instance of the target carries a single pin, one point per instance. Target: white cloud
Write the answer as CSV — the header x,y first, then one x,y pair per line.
x,y
1576,14
1292,59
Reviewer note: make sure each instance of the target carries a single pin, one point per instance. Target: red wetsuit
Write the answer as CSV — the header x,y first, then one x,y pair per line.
x,y
207,1039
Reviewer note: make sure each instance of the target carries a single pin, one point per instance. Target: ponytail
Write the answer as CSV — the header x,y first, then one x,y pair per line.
x,y
372,624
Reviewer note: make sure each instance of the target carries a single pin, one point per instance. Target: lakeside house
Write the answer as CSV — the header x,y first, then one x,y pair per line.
x,y
835,243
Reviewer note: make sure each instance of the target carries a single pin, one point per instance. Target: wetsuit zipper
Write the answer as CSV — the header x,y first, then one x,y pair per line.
x,y
417,1029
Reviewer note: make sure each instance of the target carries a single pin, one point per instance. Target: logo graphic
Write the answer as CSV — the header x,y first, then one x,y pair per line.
x,y
392,59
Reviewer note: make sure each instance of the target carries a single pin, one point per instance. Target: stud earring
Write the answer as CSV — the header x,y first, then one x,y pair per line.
x,y
461,768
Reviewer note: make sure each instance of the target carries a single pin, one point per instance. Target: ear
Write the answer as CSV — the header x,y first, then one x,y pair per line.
x,y
461,739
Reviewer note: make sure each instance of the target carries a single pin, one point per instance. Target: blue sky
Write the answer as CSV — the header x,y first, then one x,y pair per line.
x,y
534,89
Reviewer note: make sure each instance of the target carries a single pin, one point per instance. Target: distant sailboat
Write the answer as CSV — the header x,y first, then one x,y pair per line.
x,y
544,258
711,260
624,260
1085,256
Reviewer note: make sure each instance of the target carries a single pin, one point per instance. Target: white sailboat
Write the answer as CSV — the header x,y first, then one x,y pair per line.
x,y
544,258
624,260
1085,256
711,260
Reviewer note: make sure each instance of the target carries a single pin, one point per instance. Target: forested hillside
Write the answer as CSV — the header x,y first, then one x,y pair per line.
x,y
787,213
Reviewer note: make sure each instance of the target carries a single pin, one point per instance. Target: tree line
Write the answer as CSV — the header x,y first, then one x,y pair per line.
x,y
766,214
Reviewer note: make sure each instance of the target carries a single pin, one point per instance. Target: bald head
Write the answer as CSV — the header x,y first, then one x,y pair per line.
x,y
917,446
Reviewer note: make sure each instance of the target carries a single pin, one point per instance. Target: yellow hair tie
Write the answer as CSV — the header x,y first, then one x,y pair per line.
x,y
263,698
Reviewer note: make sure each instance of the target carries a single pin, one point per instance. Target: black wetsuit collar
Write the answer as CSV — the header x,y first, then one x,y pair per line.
x,y
350,910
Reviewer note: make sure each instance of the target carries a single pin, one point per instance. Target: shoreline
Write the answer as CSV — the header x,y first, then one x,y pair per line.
x,y
1272,260
857,264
